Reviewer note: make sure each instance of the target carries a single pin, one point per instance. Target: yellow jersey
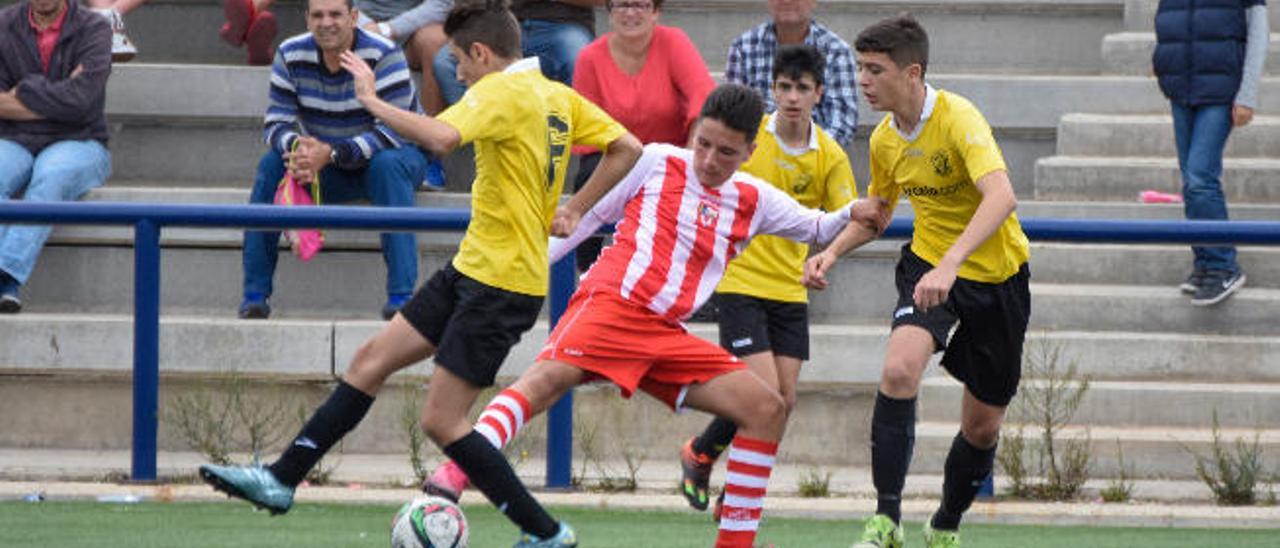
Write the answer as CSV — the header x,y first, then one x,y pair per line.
x,y
936,168
522,126
819,177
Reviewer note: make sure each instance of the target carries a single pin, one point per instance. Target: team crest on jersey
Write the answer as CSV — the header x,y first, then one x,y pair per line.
x,y
801,183
708,213
941,163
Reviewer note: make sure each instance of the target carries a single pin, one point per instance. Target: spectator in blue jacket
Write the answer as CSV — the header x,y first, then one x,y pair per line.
x,y
1208,59
315,127
55,57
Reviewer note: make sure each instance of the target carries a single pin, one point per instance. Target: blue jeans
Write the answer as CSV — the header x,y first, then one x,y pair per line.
x,y
1201,133
556,45
62,172
388,180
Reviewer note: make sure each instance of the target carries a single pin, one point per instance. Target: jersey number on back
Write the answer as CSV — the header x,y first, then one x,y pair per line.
x,y
557,140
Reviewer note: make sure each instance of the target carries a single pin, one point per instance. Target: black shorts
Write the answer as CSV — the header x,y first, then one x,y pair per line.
x,y
472,325
985,353
750,325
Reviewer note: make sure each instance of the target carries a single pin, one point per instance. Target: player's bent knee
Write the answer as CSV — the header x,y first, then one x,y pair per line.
x,y
368,370
442,431
900,376
982,436
788,402
768,412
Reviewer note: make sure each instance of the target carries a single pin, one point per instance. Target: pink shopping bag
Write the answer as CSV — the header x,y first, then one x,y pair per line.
x,y
305,242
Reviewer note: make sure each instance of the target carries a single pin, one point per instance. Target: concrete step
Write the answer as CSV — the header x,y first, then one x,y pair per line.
x,y
841,354
1254,180
1054,37
1165,452
1252,311
830,426
219,92
66,377
1140,265
1134,404
1130,53
1128,135
207,120
177,150
1140,15
864,291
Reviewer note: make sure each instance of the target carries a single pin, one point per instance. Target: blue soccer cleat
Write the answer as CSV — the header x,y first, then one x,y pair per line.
x,y
255,484
565,538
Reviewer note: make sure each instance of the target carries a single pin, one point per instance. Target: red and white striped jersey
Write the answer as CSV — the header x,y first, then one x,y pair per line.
x,y
675,235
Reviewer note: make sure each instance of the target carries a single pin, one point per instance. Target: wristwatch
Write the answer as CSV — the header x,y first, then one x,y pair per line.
x,y
384,29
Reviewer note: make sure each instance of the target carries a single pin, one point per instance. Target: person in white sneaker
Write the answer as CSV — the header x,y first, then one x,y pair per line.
x,y
122,49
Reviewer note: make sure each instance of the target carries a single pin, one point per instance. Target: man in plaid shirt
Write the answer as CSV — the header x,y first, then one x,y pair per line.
x,y
751,63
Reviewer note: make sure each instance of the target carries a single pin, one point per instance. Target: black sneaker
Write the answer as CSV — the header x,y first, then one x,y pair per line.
x,y
254,307
1192,282
10,304
395,302
1217,286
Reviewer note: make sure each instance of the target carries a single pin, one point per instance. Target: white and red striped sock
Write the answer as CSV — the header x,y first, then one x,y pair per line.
x,y
503,418
750,463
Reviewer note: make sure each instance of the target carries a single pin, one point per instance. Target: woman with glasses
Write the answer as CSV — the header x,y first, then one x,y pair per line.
x,y
648,77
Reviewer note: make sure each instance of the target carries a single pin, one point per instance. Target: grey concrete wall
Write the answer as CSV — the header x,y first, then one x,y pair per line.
x,y
1139,15
1114,135
1130,53
829,428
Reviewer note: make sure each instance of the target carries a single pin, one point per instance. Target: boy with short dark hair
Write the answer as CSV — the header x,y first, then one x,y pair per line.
x,y
472,311
764,313
966,264
682,216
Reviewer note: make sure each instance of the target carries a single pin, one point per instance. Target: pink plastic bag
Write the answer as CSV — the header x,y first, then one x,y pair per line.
x,y
1157,197
305,242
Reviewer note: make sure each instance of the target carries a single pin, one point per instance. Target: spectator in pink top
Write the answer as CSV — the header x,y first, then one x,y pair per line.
x,y
648,77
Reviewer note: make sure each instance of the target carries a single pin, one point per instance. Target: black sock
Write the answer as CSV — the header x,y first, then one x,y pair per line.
x,y
344,409
716,438
893,435
967,467
490,472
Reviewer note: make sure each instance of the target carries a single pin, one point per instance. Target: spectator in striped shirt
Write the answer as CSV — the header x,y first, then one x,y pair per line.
x,y
751,63
315,128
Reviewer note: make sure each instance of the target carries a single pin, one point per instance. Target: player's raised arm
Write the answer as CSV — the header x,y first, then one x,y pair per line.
x,y
439,137
608,209
619,158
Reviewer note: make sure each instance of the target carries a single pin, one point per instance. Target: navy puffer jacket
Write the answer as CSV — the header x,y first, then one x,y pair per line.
x,y
1200,48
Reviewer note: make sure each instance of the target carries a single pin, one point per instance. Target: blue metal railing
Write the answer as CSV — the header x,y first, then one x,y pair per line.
x,y
148,219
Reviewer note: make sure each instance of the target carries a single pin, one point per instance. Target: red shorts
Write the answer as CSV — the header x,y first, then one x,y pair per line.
x,y
634,348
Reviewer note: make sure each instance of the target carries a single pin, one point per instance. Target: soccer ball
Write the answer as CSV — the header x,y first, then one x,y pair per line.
x,y
429,522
